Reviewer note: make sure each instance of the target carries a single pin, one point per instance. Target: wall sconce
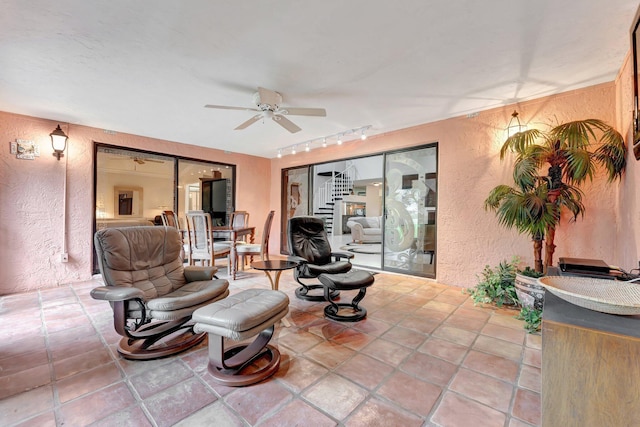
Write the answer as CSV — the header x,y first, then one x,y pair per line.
x,y
58,142
514,125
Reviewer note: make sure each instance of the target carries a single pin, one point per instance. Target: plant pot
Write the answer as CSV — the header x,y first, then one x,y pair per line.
x,y
529,293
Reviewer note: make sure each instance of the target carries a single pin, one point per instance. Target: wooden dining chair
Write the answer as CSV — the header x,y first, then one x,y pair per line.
x,y
201,245
169,219
239,219
251,249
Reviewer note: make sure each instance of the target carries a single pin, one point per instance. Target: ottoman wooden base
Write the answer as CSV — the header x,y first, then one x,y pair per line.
x,y
243,315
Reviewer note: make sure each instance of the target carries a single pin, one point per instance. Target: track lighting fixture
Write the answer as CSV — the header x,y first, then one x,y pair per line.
x,y
308,145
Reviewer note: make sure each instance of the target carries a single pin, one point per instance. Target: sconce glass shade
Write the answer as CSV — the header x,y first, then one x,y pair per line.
x,y
58,142
514,125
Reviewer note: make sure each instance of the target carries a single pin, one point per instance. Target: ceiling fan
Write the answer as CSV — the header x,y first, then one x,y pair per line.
x,y
143,160
268,107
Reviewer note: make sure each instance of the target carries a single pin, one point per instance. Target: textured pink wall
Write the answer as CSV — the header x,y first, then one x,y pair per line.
x,y
468,237
32,204
469,166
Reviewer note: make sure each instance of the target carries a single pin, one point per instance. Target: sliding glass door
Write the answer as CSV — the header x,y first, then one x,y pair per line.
x,y
410,208
294,200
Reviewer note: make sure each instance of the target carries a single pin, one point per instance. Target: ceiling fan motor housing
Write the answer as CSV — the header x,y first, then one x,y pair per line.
x,y
271,104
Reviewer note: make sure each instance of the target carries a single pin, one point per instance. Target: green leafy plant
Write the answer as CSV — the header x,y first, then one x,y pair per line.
x,y
532,319
496,284
529,272
549,168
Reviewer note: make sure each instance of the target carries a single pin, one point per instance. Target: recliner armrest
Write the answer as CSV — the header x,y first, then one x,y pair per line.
x,y
195,273
116,293
298,259
339,255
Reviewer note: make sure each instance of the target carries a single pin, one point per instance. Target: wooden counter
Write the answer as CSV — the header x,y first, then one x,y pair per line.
x,y
590,367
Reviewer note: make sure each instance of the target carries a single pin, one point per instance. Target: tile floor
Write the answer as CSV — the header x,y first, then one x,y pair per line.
x,y
425,356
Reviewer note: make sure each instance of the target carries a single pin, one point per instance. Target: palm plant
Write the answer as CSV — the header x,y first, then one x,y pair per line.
x,y
570,153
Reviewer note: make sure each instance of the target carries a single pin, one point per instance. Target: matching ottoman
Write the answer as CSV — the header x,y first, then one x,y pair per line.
x,y
238,317
352,280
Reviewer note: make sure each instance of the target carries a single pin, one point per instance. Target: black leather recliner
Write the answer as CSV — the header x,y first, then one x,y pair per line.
x,y
309,246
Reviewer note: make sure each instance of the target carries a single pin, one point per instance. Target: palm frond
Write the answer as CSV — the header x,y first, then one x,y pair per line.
x,y
577,134
578,165
612,154
520,141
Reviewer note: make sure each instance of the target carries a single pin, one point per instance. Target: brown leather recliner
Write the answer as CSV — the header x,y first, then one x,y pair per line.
x,y
310,247
152,294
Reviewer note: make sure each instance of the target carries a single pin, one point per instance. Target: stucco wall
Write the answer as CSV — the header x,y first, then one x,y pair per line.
x,y
469,166
32,206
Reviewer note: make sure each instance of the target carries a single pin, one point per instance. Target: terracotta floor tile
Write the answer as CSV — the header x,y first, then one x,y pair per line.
x,y
216,414
473,313
498,347
376,413
466,323
82,362
353,339
530,378
130,417
324,328
418,335
298,373
329,354
24,380
298,412
386,351
405,337
257,401
527,406
443,349
336,396
455,410
508,320
365,371
484,389
410,393
457,335
429,368
88,381
425,326
160,378
492,365
299,340
178,402
504,333
532,357
372,326
48,419
26,405
91,407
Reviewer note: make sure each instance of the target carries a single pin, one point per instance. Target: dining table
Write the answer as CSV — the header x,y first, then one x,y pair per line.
x,y
234,234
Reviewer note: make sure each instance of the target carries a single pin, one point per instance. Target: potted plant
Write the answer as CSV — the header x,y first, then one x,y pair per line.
x,y
496,285
550,166
530,293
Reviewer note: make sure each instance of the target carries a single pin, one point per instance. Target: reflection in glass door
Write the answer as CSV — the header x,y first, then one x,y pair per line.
x,y
410,211
295,199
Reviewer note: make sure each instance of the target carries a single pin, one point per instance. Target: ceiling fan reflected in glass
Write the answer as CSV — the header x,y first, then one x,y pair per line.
x,y
268,103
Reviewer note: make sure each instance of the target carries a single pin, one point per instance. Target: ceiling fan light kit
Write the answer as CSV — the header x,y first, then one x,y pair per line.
x,y
268,106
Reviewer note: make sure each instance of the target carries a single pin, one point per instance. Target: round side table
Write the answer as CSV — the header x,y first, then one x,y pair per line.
x,y
277,266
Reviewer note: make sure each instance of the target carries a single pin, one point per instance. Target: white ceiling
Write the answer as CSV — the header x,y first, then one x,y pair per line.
x,y
148,67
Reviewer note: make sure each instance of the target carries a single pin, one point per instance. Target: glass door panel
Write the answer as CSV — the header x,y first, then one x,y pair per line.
x,y
410,208
295,200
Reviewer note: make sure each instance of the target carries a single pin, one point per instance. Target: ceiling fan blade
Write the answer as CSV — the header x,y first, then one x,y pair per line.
x,y
226,107
319,112
268,96
249,122
286,123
